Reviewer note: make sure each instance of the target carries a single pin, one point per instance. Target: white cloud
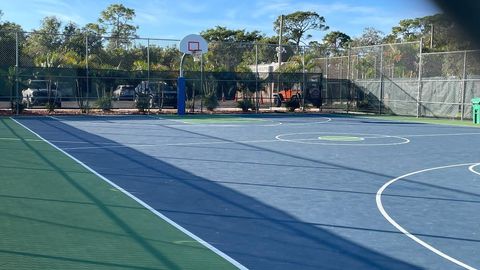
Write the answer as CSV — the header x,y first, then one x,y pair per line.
x,y
51,3
64,17
269,8
346,8
276,8
375,20
144,17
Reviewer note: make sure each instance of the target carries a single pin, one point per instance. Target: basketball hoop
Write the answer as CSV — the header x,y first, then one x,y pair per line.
x,y
194,45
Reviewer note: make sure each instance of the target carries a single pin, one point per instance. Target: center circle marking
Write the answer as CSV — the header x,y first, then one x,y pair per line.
x,y
347,139
341,138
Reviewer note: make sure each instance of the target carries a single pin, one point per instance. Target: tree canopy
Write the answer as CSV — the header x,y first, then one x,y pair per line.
x,y
225,53
337,40
220,33
297,24
370,36
116,20
446,33
109,41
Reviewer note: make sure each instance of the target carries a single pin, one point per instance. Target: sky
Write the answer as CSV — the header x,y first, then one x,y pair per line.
x,y
175,19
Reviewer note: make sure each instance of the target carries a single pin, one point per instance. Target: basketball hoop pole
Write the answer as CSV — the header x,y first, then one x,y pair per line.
x,y
181,64
181,89
195,45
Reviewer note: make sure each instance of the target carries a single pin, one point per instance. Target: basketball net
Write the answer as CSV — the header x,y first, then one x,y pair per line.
x,y
197,55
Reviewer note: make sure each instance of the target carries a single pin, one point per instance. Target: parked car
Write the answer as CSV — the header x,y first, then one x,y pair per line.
x,y
160,93
41,92
124,92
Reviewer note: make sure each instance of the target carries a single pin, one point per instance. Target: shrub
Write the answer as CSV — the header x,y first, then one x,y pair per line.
x,y
52,105
84,106
210,101
189,105
14,105
245,105
142,102
292,104
104,103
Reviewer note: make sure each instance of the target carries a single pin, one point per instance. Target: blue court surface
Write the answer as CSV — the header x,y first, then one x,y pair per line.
x,y
295,192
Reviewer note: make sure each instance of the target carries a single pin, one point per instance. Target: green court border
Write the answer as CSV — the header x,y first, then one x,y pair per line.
x,y
56,214
425,120
218,119
249,119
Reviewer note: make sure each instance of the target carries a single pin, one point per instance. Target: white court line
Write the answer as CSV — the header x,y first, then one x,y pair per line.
x,y
232,125
17,139
108,147
305,141
181,124
424,135
227,142
328,119
472,170
184,123
167,144
380,207
275,123
160,215
59,141
435,135
55,118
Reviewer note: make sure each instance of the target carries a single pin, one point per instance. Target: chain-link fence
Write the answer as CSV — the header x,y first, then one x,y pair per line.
x,y
8,61
399,79
379,79
91,71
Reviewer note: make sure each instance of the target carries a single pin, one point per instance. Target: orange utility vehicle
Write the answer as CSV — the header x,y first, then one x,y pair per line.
x,y
312,93
285,95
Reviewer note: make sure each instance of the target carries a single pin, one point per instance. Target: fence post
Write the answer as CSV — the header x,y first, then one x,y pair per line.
x,y
380,103
148,60
464,86
357,68
419,91
326,78
304,79
201,81
349,95
257,101
16,75
86,74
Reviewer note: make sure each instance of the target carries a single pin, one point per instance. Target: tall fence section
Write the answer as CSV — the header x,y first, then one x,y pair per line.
x,y
82,71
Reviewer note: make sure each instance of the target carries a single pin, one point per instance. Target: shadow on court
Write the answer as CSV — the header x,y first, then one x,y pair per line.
x,y
126,229
253,233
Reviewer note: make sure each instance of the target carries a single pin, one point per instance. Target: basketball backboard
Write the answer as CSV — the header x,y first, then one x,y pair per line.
x,y
193,44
